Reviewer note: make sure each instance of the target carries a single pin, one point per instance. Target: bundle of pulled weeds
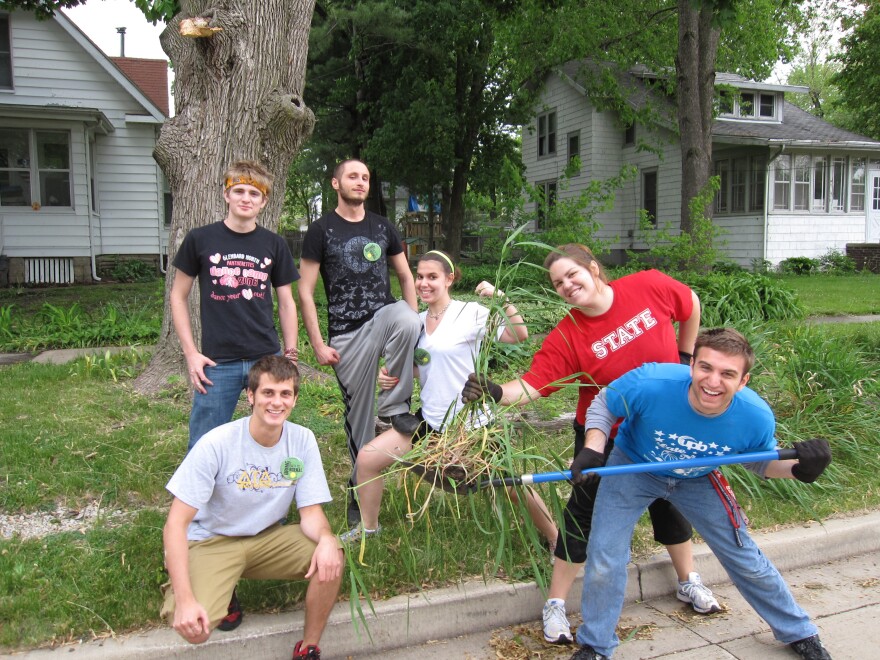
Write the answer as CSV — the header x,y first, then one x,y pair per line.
x,y
461,457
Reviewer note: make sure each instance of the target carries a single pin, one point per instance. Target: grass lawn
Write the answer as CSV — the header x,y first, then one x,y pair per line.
x,y
830,294
92,439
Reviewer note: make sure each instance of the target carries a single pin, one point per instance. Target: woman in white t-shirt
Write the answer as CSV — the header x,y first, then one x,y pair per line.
x,y
452,332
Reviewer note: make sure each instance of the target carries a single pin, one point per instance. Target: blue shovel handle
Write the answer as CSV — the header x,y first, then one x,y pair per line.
x,y
632,468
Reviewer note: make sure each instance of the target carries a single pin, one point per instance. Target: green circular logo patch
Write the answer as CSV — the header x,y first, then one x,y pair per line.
x,y
292,468
372,251
421,356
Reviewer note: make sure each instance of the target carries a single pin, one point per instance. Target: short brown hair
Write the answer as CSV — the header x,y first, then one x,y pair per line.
x,y
728,341
340,167
250,169
279,368
580,254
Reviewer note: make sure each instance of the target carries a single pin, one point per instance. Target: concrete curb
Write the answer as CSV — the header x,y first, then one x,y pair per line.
x,y
473,606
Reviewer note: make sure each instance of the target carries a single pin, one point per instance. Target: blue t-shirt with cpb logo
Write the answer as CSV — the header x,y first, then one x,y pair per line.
x,y
661,426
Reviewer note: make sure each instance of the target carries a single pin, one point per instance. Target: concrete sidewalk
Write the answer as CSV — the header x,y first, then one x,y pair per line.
x,y
433,623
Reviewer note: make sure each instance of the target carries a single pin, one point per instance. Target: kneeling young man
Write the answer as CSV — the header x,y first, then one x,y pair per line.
x,y
229,494
671,412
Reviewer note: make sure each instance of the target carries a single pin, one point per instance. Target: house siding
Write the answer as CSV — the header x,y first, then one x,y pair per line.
x,y
53,72
791,235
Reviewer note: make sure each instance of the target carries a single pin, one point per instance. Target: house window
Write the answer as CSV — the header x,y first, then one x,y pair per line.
x,y
747,104
782,183
5,54
546,202
820,168
739,177
629,135
838,183
649,195
547,134
722,171
767,106
34,167
574,152
857,186
802,183
756,181
725,103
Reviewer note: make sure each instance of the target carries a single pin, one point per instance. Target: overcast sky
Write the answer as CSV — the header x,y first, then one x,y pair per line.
x,y
100,18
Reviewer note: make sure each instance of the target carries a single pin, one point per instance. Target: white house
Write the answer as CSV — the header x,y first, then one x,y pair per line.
x,y
791,184
77,178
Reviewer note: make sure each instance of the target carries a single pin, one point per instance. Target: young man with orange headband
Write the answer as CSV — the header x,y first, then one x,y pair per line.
x,y
237,264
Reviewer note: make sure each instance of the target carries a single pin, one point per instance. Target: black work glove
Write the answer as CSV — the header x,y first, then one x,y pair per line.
x,y
684,358
587,458
477,387
813,457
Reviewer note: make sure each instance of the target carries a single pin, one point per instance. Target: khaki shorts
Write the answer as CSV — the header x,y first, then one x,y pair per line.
x,y
281,552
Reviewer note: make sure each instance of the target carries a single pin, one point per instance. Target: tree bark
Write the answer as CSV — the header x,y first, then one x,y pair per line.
x,y
238,94
695,69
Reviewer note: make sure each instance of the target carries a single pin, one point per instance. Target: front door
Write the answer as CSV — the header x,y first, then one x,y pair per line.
x,y
872,226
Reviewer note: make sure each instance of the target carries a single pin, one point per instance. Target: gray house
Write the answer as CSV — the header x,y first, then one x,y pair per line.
x,y
77,178
791,184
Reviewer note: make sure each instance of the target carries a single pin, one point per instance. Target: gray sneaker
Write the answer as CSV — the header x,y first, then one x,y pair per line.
x,y
355,533
699,596
557,629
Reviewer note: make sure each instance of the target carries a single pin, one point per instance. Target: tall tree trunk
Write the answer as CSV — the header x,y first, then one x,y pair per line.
x,y
695,69
238,94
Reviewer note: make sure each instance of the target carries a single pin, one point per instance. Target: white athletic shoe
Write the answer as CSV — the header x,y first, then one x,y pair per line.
x,y
699,596
557,629
355,533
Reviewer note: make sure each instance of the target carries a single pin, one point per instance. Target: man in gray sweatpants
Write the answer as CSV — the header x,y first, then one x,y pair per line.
x,y
353,250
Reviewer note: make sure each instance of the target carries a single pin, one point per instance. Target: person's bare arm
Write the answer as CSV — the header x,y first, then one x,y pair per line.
x,y
327,560
688,330
400,264
190,618
515,329
178,302
308,279
288,318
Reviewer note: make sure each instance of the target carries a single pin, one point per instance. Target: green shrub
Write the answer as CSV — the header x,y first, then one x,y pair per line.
x,y
743,298
798,266
133,270
727,268
836,263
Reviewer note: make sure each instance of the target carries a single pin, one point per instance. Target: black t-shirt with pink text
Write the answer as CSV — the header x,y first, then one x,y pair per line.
x,y
236,273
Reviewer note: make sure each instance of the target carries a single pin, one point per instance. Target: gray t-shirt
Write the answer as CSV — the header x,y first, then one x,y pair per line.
x,y
240,487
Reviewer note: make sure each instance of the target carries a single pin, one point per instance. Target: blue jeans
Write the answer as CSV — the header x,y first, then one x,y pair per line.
x,y
217,406
621,501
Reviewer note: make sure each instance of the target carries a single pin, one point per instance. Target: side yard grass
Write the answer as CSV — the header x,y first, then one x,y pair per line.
x,y
76,434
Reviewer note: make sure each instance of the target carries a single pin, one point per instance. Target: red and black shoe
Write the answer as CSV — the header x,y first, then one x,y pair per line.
x,y
310,652
234,615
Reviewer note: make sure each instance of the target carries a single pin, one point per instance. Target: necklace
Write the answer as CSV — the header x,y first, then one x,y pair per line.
x,y
437,316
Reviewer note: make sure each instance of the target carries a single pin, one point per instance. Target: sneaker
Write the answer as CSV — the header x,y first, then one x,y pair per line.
x,y
810,649
311,652
355,533
587,652
234,615
557,629
699,596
